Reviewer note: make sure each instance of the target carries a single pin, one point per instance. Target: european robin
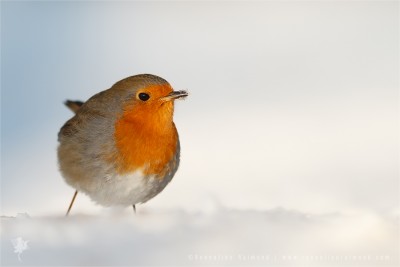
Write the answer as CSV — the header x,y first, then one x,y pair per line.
x,y
122,148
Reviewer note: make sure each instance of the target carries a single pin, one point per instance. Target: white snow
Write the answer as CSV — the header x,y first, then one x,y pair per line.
x,y
222,237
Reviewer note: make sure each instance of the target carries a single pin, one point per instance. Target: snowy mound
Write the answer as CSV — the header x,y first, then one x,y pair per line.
x,y
225,237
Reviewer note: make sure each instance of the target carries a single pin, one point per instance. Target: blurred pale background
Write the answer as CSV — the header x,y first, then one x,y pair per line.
x,y
292,104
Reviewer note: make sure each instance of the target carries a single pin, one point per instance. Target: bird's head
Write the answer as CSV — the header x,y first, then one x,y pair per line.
x,y
150,99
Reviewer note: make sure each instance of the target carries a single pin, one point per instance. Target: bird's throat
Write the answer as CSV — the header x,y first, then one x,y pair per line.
x,y
145,142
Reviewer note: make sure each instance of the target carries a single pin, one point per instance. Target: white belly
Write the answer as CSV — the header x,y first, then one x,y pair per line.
x,y
125,190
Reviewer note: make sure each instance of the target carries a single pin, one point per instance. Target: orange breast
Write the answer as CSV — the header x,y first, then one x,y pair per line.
x,y
146,139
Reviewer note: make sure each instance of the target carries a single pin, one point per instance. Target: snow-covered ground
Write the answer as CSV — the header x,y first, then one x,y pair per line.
x,y
223,237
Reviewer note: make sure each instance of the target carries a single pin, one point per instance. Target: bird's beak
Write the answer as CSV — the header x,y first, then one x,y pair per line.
x,y
175,95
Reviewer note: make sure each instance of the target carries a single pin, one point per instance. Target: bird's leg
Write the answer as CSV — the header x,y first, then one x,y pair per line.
x,y
72,202
134,209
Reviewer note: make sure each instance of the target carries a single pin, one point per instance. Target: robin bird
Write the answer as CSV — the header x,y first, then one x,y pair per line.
x,y
122,148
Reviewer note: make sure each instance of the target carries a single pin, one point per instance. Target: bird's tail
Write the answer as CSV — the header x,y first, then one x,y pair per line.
x,y
73,105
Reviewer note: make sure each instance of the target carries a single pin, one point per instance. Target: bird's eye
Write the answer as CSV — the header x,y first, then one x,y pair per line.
x,y
144,96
